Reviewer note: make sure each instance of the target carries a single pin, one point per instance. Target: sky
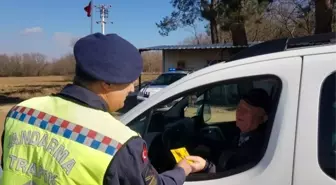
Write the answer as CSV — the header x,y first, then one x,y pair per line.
x,y
49,26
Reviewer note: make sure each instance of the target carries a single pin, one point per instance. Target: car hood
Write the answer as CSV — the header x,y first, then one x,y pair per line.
x,y
152,89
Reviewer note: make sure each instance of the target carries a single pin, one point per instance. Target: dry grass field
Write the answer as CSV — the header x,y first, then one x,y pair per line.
x,y
16,89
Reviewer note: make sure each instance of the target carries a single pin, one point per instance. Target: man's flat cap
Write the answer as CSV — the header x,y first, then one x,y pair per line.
x,y
259,98
109,58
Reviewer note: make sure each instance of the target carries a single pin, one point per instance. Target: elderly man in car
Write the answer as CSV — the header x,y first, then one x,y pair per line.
x,y
251,116
248,134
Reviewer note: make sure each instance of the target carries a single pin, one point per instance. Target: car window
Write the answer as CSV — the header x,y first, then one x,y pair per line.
x,y
167,79
194,102
222,100
267,84
327,122
140,123
203,121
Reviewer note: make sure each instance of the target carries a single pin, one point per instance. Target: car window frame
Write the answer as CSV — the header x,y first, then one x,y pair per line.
x,y
325,127
245,79
205,88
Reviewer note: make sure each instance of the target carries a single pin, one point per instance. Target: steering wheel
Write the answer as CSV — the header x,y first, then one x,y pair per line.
x,y
179,133
176,136
213,140
213,133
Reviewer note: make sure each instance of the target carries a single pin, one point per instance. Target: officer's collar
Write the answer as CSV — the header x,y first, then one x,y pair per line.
x,y
85,96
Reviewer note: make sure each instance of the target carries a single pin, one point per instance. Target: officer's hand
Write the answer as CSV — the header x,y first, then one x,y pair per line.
x,y
198,163
185,166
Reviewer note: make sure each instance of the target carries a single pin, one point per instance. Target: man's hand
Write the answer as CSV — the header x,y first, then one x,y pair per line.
x,y
185,166
198,163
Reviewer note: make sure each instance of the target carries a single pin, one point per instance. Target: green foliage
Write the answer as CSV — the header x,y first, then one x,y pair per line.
x,y
223,12
239,11
186,13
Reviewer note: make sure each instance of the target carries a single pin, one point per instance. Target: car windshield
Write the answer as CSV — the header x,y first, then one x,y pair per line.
x,y
167,79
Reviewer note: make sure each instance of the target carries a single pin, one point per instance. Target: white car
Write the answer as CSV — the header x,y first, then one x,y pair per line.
x,y
299,148
160,82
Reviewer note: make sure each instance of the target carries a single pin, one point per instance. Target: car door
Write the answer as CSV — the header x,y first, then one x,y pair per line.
x,y
276,165
315,144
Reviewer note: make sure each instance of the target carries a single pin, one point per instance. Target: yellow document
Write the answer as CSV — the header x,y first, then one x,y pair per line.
x,y
180,153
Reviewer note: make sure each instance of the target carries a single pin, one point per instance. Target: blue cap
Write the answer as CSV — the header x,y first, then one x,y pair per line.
x,y
109,58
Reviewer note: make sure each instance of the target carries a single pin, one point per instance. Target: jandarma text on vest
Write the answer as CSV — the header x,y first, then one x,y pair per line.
x,y
51,145
22,165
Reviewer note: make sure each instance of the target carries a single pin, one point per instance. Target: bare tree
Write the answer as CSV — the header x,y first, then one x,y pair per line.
x,y
152,61
200,38
197,37
295,17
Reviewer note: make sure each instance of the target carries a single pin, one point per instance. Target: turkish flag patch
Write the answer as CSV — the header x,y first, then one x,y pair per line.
x,y
144,154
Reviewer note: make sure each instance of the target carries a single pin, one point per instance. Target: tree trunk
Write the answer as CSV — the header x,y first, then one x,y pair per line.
x,y
214,32
213,22
238,33
323,16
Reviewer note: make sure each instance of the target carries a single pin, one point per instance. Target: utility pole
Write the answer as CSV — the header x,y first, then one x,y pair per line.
x,y
103,10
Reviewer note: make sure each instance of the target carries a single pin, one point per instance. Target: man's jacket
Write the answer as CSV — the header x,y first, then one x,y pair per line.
x,y
243,150
70,138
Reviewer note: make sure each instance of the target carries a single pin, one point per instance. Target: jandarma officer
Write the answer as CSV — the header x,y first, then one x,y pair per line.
x,y
71,138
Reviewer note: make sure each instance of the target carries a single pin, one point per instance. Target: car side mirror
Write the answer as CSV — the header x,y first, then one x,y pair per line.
x,y
206,112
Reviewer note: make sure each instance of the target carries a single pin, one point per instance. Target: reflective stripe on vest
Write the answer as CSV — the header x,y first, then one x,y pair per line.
x,y
65,143
66,129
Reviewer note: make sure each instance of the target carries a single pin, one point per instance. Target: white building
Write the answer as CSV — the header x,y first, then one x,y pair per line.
x,y
194,57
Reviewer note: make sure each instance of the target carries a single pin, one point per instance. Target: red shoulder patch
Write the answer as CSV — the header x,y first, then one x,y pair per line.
x,y
144,153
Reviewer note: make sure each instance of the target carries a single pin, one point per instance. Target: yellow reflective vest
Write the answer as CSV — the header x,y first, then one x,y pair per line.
x,y
49,140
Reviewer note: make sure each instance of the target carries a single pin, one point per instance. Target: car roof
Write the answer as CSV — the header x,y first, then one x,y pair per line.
x,y
285,44
311,50
315,50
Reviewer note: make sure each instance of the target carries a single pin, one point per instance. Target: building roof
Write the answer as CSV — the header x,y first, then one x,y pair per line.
x,y
196,46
